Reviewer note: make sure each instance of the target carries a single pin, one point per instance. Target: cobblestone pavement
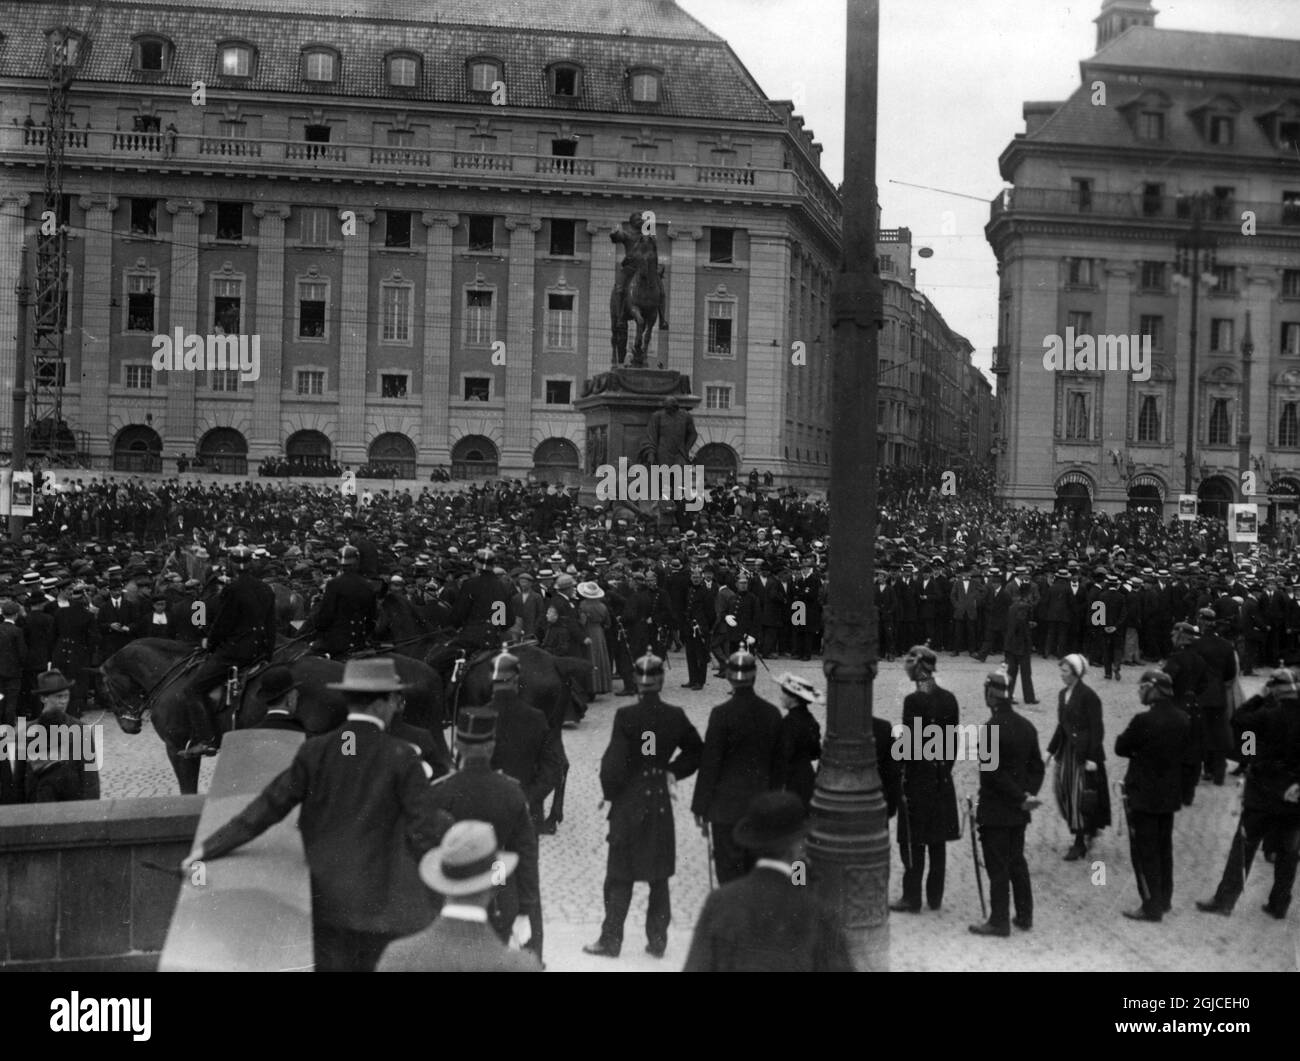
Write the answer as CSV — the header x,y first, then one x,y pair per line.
x,y
1077,916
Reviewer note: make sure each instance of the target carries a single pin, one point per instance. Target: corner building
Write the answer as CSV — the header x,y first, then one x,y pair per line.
x,y
1094,235
409,204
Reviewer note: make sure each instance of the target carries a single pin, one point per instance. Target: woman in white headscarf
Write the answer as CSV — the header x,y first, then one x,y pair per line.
x,y
1082,793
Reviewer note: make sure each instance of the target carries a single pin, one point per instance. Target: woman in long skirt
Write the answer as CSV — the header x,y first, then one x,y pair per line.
x,y
1082,793
594,616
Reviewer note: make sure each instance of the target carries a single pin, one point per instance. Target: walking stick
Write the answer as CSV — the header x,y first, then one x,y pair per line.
x,y
708,842
974,852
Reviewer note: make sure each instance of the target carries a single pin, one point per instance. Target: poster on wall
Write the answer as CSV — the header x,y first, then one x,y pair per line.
x,y
22,494
1187,507
1243,523
348,484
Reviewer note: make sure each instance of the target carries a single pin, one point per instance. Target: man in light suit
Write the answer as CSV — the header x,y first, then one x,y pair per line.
x,y
466,869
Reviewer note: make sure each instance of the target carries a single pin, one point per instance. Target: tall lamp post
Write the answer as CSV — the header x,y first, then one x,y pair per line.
x,y
848,847
1195,252
1243,428
18,452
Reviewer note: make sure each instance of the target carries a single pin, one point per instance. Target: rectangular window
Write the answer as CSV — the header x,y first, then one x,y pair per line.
x,y
1149,419
402,71
1154,276
563,237
230,221
1221,334
236,61
1076,415
315,225
1221,205
482,232
722,245
1081,322
479,319
1220,423
645,88
395,305
721,316
1151,125
141,303
1221,130
225,379
717,397
139,377
397,228
145,123
227,303
319,66
144,217
1288,428
1291,283
1288,136
566,81
1155,327
478,388
562,154
392,384
1291,339
885,262
309,381
482,76
312,297
1225,279
1153,197
1082,189
1291,208
400,138
1080,271
316,136
560,331
558,392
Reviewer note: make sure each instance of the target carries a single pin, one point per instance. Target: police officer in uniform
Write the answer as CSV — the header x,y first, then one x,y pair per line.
x,y
241,633
481,611
527,748
348,609
652,745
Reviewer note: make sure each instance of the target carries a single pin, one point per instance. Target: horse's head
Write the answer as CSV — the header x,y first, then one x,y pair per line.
x,y
119,694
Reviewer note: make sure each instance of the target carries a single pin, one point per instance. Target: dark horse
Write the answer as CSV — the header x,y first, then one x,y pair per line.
x,y
152,672
641,299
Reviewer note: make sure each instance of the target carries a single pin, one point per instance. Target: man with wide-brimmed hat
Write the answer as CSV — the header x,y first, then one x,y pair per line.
x,y
64,765
770,920
652,745
481,793
367,817
279,692
466,870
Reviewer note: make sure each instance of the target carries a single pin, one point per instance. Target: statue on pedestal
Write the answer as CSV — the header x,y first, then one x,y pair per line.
x,y
670,436
638,292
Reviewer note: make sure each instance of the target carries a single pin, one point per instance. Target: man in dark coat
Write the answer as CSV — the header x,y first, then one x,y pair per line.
x,y
13,661
478,793
739,760
1155,742
1114,623
1189,675
1005,802
806,611
118,618
367,817
1019,651
345,619
696,622
652,745
928,817
996,603
1221,668
75,635
39,633
527,747
967,598
772,613
769,920
279,692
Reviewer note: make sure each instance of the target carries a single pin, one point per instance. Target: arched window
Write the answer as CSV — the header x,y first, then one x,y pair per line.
x,y
224,450
137,448
403,70
556,461
474,457
718,461
1214,495
395,452
307,451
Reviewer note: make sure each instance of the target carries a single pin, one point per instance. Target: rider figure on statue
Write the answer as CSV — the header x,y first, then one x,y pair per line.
x,y
242,632
628,267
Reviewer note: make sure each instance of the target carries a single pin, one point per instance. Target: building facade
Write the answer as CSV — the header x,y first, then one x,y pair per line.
x,y
409,206
1169,180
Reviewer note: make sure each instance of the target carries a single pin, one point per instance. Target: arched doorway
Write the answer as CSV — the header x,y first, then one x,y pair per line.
x,y
1213,497
1146,493
223,450
308,452
556,461
137,448
393,453
718,461
1073,497
474,457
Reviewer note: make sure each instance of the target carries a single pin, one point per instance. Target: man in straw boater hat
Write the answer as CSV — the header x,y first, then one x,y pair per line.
x,y
467,869
367,817
652,745
769,920
479,793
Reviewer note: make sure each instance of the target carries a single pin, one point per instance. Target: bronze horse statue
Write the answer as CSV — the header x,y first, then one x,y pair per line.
x,y
641,296
154,673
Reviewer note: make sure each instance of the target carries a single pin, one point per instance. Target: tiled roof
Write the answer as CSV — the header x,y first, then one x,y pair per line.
x,y
1189,52
702,76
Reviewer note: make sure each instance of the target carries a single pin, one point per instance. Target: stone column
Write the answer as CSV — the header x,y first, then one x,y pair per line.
x,y
517,454
603,264
98,288
354,323
435,390
13,206
183,311
765,320
681,302
1031,396
266,440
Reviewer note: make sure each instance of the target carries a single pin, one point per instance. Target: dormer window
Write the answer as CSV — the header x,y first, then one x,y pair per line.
x,y
645,85
566,80
65,46
237,59
1282,125
484,73
1150,125
1216,120
151,55
403,70
1288,136
1145,114
1220,130
320,65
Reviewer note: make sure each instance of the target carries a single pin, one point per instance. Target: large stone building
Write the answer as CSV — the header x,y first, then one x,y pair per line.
x,y
1171,175
409,205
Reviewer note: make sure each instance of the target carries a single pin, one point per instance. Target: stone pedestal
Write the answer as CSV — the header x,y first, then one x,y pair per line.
x,y
617,406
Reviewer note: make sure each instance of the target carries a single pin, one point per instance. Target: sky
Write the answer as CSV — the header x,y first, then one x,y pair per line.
x,y
954,76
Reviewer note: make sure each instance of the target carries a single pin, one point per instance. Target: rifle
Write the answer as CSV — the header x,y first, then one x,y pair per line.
x,y
975,856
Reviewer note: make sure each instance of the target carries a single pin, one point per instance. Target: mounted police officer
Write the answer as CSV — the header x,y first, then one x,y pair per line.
x,y
242,632
481,611
346,617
